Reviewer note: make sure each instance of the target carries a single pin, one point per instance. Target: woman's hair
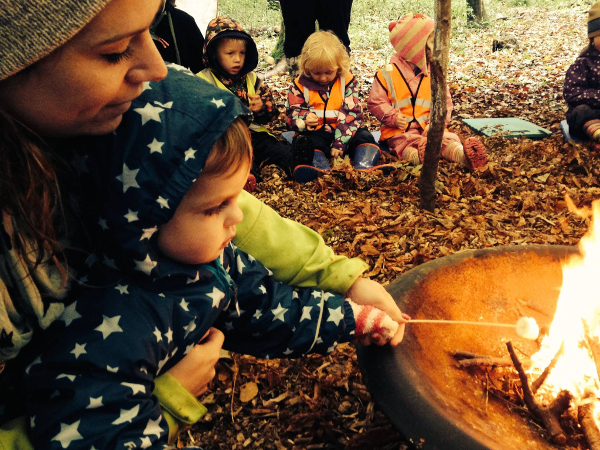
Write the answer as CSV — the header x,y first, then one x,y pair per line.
x,y
323,50
28,191
231,150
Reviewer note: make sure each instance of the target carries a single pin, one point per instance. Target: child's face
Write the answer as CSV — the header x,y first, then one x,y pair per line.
x,y
324,76
596,42
204,223
231,54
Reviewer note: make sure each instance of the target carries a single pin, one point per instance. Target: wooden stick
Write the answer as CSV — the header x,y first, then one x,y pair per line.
x,y
463,322
548,415
540,380
585,416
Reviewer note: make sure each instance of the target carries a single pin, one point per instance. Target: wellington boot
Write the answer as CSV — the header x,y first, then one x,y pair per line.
x,y
320,166
366,157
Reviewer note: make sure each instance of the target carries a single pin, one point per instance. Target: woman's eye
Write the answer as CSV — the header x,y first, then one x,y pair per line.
x,y
115,58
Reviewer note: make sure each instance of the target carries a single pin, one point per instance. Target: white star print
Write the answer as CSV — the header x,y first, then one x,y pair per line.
x,y
316,294
288,352
127,415
148,232
68,434
240,264
122,289
102,224
156,333
109,325
131,216
167,105
146,265
149,112
169,335
163,202
161,363
229,325
190,280
257,315
91,260
319,340
144,370
79,350
327,295
262,289
218,103
189,348
95,403
70,314
153,427
146,86
37,360
184,304
109,262
128,178
335,315
306,313
146,442
68,376
189,328
278,313
112,369
135,388
155,146
332,348
216,296
189,154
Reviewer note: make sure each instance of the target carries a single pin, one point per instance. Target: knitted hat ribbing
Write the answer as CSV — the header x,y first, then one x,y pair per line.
x,y
594,20
409,38
32,29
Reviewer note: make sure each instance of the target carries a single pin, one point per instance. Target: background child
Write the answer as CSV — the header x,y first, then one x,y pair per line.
x,y
230,57
164,273
401,98
324,108
582,84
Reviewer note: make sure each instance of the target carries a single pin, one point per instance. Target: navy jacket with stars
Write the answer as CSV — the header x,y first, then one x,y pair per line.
x,y
136,313
582,80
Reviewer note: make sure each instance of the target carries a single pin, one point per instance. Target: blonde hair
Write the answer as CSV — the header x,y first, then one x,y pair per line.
x,y
323,50
231,150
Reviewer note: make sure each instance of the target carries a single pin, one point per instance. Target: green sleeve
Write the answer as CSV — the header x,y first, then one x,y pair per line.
x,y
294,253
14,435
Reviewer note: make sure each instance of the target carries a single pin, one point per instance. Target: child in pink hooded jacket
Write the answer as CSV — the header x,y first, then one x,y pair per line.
x,y
401,98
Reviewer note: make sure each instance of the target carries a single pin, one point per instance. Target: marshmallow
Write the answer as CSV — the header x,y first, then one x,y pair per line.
x,y
528,328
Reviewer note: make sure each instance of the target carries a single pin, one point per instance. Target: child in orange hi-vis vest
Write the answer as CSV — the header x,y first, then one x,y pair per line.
x,y
401,98
324,109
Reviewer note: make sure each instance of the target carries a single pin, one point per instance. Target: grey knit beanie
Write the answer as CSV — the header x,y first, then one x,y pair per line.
x,y
32,29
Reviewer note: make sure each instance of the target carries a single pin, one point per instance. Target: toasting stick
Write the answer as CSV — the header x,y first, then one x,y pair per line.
x,y
526,327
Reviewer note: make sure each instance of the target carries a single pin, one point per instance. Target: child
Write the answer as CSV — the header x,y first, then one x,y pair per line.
x,y
401,98
582,85
164,273
324,108
230,57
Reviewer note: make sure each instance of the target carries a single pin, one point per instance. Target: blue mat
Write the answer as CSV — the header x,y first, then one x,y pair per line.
x,y
564,127
289,135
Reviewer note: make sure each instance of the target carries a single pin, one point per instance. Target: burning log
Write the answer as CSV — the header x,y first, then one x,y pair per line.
x,y
540,380
467,359
585,416
549,415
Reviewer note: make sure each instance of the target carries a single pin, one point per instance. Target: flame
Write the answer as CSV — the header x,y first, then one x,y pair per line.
x,y
577,314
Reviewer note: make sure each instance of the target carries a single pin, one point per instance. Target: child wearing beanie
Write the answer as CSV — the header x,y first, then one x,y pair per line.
x,y
582,84
401,98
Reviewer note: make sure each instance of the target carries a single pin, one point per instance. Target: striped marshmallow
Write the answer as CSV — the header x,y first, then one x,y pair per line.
x,y
409,38
370,320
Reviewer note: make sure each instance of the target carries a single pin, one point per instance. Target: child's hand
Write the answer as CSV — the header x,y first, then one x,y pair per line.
x,y
368,292
312,121
400,120
336,152
197,369
256,103
373,326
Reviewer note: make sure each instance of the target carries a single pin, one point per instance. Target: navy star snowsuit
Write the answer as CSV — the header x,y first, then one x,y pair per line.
x,y
136,312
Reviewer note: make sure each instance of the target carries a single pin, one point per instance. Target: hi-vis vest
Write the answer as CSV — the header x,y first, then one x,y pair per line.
x,y
207,75
415,106
326,111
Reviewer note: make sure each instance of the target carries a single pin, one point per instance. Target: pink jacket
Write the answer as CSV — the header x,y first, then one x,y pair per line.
x,y
379,104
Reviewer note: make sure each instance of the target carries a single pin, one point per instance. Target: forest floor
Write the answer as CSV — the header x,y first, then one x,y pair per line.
x,y
321,402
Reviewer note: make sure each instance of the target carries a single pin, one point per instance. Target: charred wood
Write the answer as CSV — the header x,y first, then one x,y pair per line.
x,y
585,416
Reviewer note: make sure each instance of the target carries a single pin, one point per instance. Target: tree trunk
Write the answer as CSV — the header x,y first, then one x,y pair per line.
x,y
476,11
277,52
437,121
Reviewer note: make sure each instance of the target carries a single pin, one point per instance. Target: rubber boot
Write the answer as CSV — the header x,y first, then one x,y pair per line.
x,y
320,166
366,156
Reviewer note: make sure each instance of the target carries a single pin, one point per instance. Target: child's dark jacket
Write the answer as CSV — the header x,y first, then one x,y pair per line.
x,y
582,81
137,313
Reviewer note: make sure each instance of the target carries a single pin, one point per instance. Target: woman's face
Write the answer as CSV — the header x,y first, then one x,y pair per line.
x,y
87,84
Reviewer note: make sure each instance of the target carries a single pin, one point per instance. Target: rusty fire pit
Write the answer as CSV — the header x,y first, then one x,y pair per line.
x,y
418,385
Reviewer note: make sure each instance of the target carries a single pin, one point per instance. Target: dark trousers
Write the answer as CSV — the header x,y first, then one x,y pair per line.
x,y
270,150
577,117
322,140
299,18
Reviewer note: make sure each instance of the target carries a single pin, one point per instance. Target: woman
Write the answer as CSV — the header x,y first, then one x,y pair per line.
x,y
70,68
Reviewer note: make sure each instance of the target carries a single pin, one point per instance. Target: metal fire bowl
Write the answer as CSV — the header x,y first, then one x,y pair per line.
x,y
417,384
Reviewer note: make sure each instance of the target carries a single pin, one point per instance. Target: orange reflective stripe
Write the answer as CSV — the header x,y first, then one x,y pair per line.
x,y
404,99
326,111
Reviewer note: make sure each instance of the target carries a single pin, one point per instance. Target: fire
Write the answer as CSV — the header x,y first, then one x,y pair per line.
x,y
576,322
